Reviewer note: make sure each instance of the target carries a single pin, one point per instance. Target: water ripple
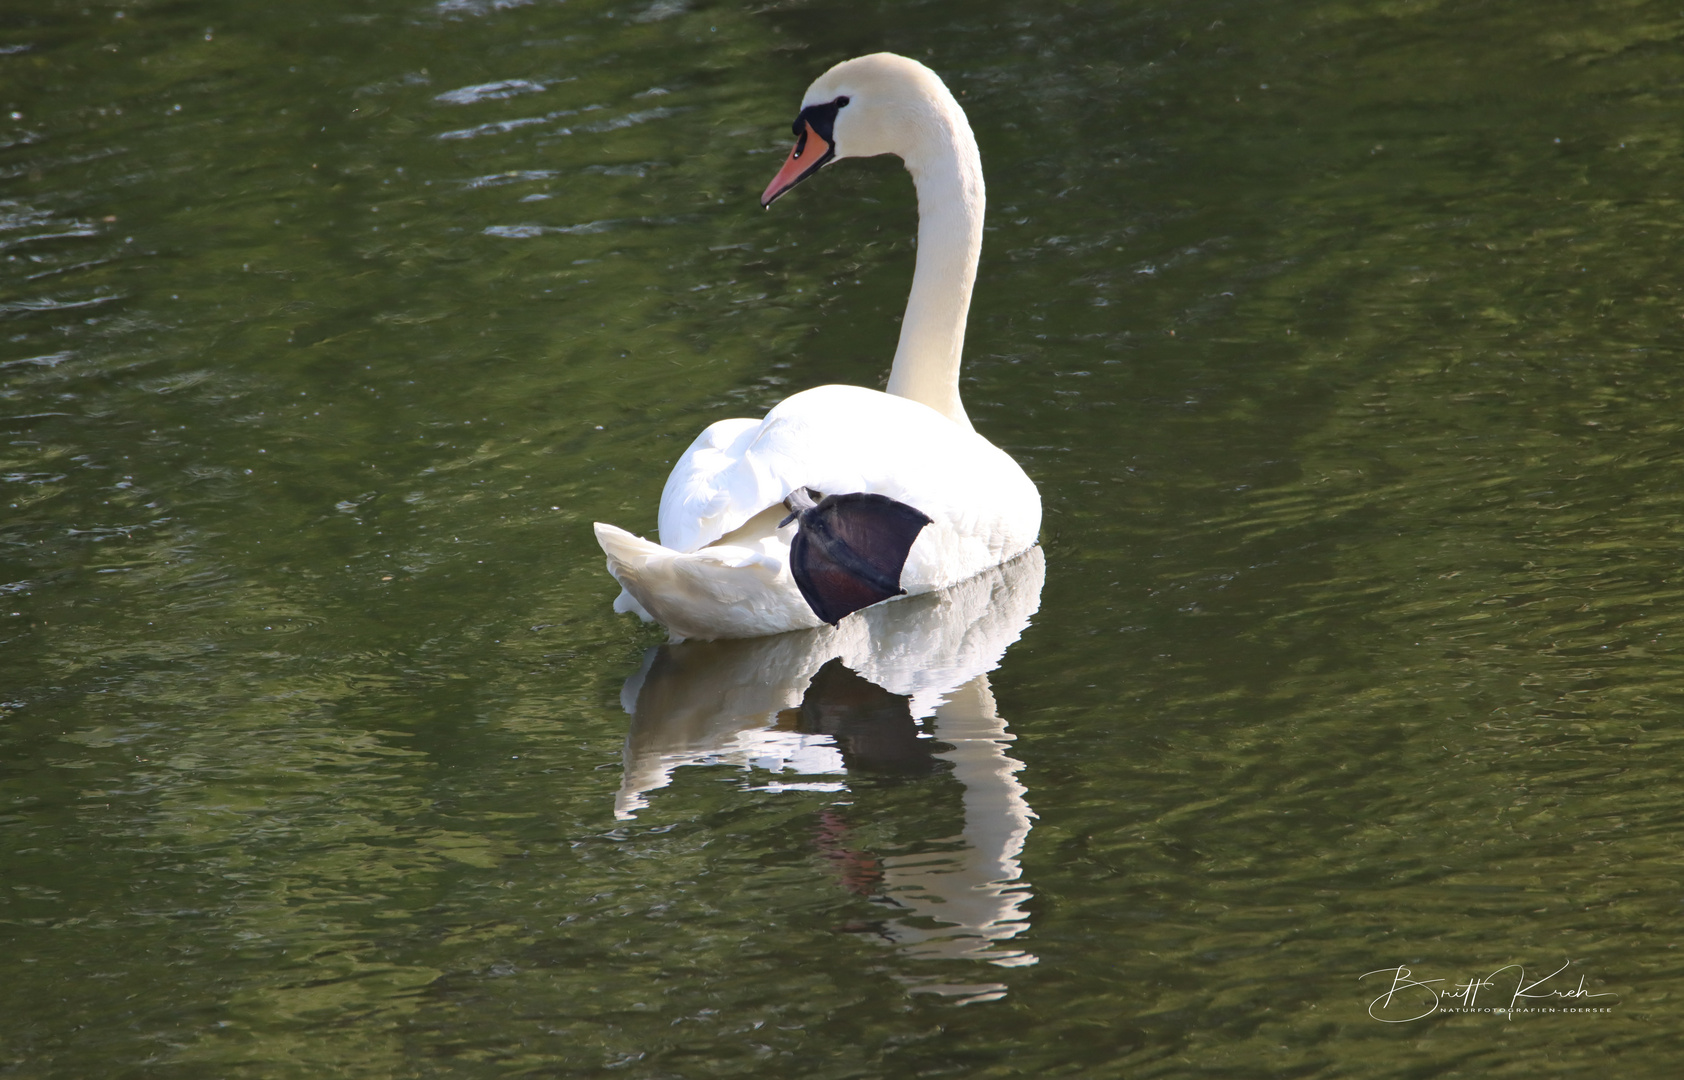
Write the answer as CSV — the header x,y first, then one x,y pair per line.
x,y
491,91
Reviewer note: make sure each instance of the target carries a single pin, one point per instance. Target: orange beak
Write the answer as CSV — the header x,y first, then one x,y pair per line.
x,y
811,151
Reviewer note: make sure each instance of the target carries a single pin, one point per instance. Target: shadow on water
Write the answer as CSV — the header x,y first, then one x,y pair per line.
x,y
900,692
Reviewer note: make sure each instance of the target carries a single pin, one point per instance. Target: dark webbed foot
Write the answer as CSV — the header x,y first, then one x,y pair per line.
x,y
849,550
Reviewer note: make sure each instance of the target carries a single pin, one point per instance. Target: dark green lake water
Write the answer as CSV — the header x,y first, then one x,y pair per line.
x,y
1342,338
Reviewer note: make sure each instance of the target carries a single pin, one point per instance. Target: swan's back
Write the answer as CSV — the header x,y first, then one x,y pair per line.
x,y
847,438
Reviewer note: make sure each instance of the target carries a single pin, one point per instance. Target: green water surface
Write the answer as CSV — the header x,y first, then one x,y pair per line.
x,y
1343,340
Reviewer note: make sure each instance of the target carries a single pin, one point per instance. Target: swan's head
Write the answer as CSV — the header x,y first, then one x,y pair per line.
x,y
870,105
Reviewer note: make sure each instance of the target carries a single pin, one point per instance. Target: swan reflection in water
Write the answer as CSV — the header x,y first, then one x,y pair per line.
x,y
819,703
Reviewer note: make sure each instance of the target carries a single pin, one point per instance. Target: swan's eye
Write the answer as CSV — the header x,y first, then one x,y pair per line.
x,y
841,101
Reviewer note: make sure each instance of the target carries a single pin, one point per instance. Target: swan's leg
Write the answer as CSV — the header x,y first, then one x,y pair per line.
x,y
850,549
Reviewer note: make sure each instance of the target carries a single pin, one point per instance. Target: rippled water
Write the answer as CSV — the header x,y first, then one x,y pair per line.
x,y
1342,339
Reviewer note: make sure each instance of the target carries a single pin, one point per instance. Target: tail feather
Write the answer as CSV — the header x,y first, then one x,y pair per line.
x,y
726,591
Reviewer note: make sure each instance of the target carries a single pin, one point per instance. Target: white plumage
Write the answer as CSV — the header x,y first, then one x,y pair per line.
x,y
722,567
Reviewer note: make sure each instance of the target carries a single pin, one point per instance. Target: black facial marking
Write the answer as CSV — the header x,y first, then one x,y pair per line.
x,y
823,120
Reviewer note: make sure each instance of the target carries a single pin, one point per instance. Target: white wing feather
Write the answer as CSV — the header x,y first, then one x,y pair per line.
x,y
838,439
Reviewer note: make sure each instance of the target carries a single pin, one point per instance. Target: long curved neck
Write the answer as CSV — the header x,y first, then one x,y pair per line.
x,y
947,171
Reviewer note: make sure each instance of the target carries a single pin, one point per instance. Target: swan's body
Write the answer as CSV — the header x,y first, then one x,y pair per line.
x,y
722,569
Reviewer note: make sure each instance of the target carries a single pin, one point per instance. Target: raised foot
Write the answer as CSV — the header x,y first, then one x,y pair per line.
x,y
849,550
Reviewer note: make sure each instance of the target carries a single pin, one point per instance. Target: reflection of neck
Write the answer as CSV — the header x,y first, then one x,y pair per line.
x,y
996,814
975,890
947,171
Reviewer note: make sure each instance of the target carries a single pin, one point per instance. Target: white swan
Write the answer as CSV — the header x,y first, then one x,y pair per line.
x,y
729,564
